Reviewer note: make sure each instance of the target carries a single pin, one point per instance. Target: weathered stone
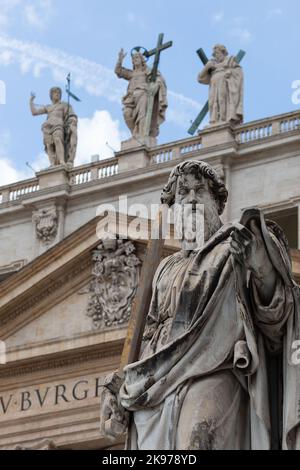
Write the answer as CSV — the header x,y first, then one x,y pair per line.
x,y
60,129
204,337
114,284
46,224
225,78
136,102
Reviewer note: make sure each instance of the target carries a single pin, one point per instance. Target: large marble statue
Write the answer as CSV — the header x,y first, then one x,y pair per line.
x,y
225,79
136,100
59,130
216,368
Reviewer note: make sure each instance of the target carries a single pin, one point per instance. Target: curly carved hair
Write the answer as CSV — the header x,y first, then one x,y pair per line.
x,y
197,168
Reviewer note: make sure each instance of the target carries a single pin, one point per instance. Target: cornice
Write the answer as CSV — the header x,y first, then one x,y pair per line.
x,y
62,360
44,292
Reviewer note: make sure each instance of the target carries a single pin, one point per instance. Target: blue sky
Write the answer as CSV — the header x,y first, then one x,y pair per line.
x,y
42,40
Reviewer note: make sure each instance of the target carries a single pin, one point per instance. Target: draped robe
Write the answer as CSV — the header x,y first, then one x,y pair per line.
x,y
135,101
202,380
225,93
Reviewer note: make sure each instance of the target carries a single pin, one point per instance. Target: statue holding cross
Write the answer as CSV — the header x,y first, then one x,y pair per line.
x,y
145,102
224,76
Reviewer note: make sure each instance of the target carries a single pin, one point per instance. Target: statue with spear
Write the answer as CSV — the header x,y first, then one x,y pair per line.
x,y
60,128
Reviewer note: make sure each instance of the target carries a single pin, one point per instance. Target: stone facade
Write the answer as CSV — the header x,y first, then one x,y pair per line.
x,y
56,358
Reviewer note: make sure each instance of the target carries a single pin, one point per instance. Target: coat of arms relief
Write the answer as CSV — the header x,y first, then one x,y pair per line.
x,y
114,283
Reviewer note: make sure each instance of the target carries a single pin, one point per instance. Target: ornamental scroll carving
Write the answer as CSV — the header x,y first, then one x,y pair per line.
x,y
114,284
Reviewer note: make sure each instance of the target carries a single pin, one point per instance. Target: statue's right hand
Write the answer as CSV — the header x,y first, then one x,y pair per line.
x,y
32,97
122,55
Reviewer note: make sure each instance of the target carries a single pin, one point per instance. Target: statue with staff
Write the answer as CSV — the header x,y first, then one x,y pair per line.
x,y
208,358
60,128
145,103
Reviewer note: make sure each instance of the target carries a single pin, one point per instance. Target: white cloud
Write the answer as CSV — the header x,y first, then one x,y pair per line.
x,y
94,133
8,173
96,79
40,163
7,8
39,13
274,13
242,34
182,110
136,20
239,20
36,13
218,17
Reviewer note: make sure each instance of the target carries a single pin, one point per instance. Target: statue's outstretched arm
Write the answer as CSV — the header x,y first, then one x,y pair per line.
x,y
34,110
121,71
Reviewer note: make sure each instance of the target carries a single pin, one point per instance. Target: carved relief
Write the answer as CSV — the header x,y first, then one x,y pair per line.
x,y
114,283
46,224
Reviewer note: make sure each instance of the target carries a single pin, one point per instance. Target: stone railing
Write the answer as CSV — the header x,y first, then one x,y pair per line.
x,y
15,191
166,153
255,131
94,171
80,175
258,130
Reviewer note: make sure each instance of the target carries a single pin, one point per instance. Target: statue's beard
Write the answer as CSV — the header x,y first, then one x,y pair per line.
x,y
212,221
197,227
139,67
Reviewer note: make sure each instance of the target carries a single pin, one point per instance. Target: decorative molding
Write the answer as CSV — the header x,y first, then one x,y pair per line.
x,y
114,283
45,292
13,267
29,295
62,360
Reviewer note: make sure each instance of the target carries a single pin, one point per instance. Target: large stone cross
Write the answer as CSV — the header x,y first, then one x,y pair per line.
x,y
205,109
156,52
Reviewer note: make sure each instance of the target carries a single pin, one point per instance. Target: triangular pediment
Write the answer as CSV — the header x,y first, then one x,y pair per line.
x,y
44,307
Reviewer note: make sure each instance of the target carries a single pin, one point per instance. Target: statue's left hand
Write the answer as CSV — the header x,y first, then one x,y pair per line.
x,y
248,248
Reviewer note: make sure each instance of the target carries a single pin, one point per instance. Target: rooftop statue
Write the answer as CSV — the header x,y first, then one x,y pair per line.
x,y
59,130
145,103
224,76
